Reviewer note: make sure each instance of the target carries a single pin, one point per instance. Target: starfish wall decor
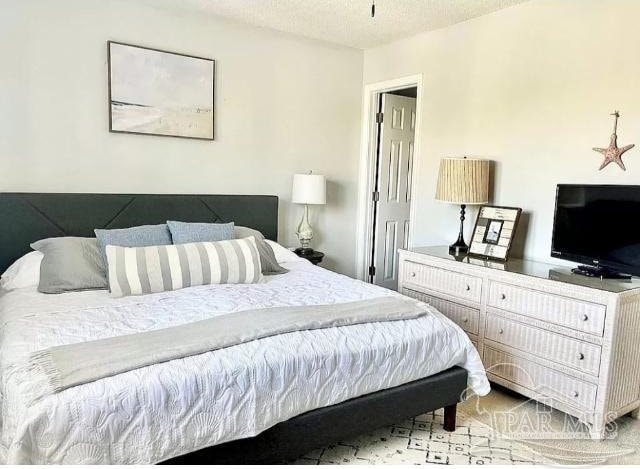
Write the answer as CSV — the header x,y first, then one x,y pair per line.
x,y
613,153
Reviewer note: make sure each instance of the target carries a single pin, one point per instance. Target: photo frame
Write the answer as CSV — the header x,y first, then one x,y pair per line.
x,y
161,93
493,232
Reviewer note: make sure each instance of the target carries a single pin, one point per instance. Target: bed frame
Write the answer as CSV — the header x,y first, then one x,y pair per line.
x,y
28,217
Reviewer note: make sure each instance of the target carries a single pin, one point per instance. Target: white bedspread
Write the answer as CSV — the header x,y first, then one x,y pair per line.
x,y
161,411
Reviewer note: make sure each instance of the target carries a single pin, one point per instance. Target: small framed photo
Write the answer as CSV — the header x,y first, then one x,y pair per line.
x,y
493,232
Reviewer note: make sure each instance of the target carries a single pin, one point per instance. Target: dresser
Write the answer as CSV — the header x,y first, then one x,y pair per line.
x,y
568,341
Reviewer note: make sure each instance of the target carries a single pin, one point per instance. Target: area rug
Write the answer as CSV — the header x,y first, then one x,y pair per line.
x,y
481,439
570,443
423,440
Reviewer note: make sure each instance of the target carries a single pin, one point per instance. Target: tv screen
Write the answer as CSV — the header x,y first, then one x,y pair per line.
x,y
598,225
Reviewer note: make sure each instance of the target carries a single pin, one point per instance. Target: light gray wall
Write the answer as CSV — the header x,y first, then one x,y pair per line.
x,y
283,105
530,87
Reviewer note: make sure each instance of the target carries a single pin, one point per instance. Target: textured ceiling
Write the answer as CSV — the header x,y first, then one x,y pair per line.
x,y
346,22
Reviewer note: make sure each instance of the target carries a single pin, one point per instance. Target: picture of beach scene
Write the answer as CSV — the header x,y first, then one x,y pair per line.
x,y
160,93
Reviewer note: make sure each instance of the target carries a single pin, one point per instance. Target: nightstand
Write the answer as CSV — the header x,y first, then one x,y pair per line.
x,y
315,257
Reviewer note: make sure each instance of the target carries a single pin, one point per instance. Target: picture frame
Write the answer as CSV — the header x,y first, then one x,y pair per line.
x,y
493,232
160,93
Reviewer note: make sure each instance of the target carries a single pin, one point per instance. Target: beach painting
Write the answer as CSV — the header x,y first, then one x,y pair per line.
x,y
155,92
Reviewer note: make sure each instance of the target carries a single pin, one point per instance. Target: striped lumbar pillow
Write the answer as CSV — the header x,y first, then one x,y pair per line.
x,y
153,269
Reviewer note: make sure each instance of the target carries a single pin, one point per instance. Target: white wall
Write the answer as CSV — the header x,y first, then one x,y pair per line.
x,y
283,105
530,87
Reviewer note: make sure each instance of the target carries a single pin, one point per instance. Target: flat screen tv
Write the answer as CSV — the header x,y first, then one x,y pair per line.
x,y
598,225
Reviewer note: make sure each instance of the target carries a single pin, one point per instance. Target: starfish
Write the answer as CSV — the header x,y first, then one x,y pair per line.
x,y
613,153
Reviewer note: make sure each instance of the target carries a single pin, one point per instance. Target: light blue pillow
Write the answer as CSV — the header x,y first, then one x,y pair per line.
x,y
182,232
137,236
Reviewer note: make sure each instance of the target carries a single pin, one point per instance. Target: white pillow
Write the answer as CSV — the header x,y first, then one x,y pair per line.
x,y
25,272
283,254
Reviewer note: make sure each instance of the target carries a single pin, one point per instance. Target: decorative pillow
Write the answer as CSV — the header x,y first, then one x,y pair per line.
x,y
70,264
24,272
283,254
268,260
182,232
145,235
153,269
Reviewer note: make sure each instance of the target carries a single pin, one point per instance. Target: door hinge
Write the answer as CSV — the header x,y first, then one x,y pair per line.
x,y
376,196
379,117
372,270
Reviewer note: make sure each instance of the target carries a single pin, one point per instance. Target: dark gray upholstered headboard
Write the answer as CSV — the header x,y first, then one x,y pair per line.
x,y
28,217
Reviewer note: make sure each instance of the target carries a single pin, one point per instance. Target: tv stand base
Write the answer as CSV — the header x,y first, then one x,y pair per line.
x,y
599,272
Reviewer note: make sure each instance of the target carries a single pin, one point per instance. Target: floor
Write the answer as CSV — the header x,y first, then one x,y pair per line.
x,y
423,440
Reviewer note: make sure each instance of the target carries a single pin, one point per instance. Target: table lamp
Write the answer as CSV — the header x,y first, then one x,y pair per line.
x,y
308,189
463,181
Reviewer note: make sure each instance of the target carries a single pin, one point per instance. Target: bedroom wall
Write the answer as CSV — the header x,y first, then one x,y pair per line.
x,y
284,104
530,87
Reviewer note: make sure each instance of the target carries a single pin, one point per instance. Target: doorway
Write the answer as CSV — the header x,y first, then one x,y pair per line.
x,y
390,161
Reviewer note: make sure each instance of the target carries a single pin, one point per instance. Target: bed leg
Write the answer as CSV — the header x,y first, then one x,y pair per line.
x,y
450,418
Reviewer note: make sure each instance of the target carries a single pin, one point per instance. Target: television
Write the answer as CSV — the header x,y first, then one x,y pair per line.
x,y
598,225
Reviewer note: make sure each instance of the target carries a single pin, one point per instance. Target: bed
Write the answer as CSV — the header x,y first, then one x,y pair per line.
x,y
268,400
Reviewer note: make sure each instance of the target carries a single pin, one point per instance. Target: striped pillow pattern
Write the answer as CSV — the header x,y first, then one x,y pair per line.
x,y
153,269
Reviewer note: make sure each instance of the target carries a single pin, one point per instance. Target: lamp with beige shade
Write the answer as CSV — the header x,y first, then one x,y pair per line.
x,y
463,181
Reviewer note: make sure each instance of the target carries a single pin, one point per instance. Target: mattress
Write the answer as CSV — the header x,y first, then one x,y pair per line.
x,y
161,411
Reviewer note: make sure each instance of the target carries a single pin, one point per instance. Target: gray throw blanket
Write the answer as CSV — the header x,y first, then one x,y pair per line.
x,y
70,365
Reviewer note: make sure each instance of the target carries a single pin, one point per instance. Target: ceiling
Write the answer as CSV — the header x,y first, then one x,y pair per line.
x,y
345,22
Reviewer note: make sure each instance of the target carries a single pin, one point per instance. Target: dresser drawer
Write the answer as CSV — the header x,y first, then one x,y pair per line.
x,y
579,355
540,380
579,315
461,285
465,317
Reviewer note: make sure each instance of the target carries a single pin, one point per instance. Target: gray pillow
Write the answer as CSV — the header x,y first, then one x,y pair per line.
x,y
137,236
267,258
70,264
182,232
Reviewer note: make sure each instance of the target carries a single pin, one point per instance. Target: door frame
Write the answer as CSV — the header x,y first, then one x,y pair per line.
x,y
364,222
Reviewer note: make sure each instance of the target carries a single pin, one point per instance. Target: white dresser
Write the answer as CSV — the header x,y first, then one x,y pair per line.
x,y
568,341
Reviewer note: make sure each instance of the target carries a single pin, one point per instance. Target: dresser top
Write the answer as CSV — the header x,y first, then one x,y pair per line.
x,y
534,269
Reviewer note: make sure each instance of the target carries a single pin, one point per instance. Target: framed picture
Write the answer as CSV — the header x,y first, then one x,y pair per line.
x,y
493,232
155,92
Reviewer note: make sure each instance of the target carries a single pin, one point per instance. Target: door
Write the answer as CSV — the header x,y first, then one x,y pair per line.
x,y
392,196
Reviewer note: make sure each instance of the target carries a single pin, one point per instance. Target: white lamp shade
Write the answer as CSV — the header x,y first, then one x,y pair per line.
x,y
309,189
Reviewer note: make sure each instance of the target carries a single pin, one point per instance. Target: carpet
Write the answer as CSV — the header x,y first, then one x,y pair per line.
x,y
481,438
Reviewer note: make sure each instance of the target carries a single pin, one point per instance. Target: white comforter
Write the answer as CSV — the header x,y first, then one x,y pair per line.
x,y
161,411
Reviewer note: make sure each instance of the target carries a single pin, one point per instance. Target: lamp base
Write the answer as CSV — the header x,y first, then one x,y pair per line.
x,y
460,247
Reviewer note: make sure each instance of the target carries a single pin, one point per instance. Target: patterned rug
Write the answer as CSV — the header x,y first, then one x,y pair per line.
x,y
423,440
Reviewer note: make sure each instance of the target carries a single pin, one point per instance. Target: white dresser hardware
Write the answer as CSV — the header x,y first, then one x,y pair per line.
x,y
571,342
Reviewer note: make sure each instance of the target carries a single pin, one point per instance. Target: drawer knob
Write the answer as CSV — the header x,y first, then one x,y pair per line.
x,y
576,393
585,317
465,320
413,274
501,331
468,288
503,296
581,356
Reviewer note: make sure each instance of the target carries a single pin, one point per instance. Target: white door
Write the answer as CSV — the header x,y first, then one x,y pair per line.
x,y
393,187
